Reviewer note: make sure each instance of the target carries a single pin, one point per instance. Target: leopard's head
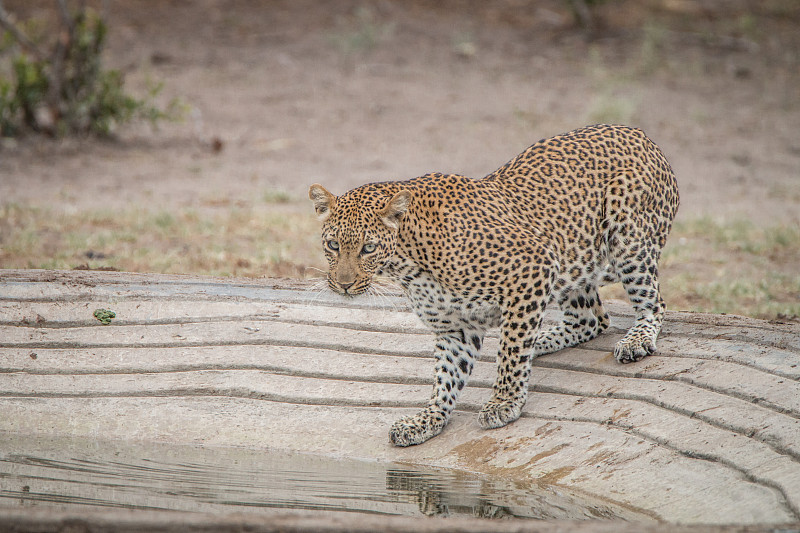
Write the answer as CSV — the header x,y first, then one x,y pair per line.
x,y
359,233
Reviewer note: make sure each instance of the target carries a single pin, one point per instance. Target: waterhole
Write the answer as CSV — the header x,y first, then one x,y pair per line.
x,y
65,474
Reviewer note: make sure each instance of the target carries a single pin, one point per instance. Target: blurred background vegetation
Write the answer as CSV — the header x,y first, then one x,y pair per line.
x,y
54,83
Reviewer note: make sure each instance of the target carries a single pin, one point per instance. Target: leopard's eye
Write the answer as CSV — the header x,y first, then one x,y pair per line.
x,y
369,248
333,244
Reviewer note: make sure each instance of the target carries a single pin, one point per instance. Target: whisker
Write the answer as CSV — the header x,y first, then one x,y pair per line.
x,y
388,289
317,290
380,296
387,281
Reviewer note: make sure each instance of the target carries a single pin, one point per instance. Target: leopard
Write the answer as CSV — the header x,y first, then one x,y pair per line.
x,y
569,214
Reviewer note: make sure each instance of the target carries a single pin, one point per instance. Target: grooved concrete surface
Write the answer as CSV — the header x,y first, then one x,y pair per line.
x,y
707,431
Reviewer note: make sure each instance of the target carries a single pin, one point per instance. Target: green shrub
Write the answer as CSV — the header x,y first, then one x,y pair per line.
x,y
66,91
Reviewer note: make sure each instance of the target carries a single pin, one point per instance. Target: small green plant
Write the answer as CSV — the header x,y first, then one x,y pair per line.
x,y
651,55
276,196
584,13
463,44
364,35
104,316
60,87
609,108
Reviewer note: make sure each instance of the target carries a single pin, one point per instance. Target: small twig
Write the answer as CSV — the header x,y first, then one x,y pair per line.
x,y
66,18
57,75
583,14
21,38
58,60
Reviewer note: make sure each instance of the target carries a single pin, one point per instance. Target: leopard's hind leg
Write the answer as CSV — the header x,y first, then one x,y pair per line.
x,y
636,264
584,319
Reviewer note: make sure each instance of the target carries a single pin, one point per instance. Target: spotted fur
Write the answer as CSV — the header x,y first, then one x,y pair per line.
x,y
569,212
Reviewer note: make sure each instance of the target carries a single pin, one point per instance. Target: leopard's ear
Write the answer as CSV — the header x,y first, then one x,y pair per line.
x,y
393,212
323,201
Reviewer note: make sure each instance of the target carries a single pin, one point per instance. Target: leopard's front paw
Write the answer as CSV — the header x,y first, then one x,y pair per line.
x,y
497,413
634,348
416,429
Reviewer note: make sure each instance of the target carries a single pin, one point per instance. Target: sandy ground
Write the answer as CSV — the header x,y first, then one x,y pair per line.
x,y
357,92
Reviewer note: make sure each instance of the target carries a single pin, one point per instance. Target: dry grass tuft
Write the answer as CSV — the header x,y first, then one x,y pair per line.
x,y
255,240
712,266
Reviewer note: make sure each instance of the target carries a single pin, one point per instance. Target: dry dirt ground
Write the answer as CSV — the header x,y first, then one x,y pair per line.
x,y
282,94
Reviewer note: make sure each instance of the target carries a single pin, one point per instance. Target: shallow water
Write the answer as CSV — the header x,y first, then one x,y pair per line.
x,y
63,474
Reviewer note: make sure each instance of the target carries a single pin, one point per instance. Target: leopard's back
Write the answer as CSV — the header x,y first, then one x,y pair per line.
x,y
582,188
